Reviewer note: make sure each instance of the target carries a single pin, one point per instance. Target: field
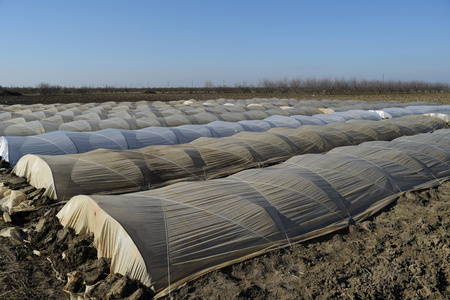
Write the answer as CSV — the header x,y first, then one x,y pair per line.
x,y
441,97
402,252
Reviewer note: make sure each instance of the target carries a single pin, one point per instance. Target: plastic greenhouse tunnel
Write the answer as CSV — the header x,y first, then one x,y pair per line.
x,y
168,236
123,171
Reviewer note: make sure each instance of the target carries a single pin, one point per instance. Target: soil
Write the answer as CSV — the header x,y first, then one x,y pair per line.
x,y
438,97
403,252
44,260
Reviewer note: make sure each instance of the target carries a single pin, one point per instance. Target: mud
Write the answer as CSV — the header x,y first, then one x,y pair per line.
x,y
403,252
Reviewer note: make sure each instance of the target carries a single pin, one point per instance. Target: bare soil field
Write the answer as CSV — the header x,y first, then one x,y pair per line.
x,y
441,97
401,253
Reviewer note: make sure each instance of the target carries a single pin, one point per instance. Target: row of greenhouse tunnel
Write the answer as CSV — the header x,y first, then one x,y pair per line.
x,y
29,120
172,191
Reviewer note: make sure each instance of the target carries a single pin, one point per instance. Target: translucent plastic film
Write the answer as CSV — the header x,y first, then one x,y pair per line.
x,y
187,229
121,171
26,120
12,148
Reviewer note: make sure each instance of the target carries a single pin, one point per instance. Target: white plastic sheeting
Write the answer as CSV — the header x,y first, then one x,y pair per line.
x,y
32,123
168,236
443,115
12,148
163,109
395,112
368,105
24,120
113,171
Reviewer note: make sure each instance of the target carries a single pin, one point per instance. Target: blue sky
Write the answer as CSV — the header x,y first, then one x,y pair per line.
x,y
184,42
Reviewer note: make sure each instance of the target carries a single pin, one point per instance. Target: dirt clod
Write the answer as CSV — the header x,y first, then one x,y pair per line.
x,y
96,271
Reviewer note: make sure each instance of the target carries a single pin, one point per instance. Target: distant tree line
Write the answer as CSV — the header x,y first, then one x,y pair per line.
x,y
336,86
343,86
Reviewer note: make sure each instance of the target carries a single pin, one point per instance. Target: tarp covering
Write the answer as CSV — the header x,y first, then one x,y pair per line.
x,y
168,236
12,148
114,171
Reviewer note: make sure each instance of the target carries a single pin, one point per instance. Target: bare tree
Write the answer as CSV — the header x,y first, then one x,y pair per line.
x,y
49,89
282,85
209,84
295,85
268,85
